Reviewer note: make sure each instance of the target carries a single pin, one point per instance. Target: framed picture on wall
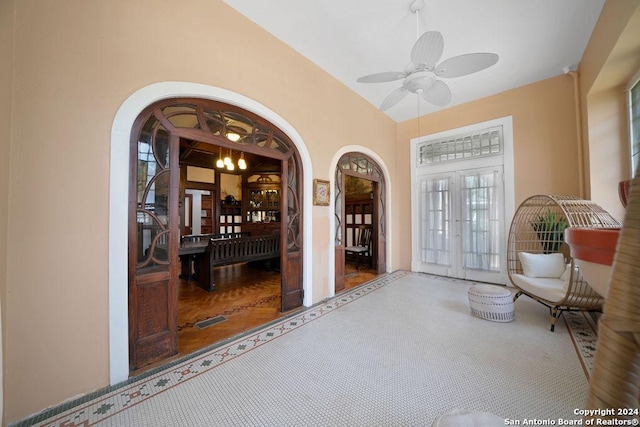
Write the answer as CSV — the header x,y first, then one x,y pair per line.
x,y
321,192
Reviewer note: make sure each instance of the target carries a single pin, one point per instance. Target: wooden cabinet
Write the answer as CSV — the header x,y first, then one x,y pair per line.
x,y
261,203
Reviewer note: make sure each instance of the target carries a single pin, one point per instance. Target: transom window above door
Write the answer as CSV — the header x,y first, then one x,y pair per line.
x,y
487,142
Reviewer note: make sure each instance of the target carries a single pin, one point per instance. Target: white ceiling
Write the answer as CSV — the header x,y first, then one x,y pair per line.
x,y
535,39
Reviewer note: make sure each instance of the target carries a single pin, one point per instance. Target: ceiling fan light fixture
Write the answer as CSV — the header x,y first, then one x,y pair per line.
x,y
410,68
418,81
422,75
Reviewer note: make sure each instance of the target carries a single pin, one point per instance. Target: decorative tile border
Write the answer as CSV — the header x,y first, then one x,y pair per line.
x,y
103,404
114,400
582,328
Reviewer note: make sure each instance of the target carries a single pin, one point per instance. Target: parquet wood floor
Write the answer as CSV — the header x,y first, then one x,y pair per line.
x,y
247,297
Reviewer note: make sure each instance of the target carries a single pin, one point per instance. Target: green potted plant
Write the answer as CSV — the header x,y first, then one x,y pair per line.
x,y
550,230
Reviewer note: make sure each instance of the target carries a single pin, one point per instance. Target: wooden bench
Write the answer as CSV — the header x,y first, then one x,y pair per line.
x,y
228,251
194,246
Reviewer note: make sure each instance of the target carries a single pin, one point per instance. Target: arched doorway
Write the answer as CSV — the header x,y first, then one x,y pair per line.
x,y
154,209
359,167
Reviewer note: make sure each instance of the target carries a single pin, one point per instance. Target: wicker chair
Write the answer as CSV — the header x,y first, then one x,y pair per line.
x,y
537,228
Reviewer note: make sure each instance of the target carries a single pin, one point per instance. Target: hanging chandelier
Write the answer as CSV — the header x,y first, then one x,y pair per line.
x,y
226,162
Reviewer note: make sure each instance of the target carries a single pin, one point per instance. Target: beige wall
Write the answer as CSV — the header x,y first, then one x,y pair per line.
x,y
544,133
76,63
6,99
610,61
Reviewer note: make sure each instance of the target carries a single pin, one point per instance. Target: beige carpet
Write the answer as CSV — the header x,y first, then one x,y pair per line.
x,y
398,351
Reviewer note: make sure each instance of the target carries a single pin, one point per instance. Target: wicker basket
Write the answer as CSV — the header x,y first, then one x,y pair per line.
x,y
491,302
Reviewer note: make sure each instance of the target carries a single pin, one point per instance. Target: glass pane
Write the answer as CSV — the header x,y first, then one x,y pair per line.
x,y
152,198
182,116
161,147
151,235
435,221
214,121
184,121
157,201
146,168
239,121
338,206
345,163
146,134
261,139
480,222
280,144
487,142
256,197
635,128
293,207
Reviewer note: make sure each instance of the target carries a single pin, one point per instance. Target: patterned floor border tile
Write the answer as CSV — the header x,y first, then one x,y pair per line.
x,y
108,402
102,404
582,328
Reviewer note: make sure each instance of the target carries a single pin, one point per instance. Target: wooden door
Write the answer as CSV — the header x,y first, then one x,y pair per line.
x,y
360,166
339,201
153,247
380,232
291,233
154,209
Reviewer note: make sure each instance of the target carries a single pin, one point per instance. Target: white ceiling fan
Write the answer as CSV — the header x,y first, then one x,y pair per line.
x,y
422,75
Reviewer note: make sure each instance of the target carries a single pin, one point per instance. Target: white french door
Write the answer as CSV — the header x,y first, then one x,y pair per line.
x,y
462,224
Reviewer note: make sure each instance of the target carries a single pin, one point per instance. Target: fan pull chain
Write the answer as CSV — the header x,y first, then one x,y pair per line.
x,y
417,24
419,134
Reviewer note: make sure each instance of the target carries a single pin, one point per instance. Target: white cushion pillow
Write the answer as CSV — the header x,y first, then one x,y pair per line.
x,y
566,275
542,265
550,289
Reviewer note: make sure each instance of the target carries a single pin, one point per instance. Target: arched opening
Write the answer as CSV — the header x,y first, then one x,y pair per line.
x,y
166,137
360,220
119,159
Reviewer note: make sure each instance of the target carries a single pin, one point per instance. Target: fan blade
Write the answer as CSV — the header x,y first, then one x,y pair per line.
x,y
466,64
438,94
388,76
428,49
393,98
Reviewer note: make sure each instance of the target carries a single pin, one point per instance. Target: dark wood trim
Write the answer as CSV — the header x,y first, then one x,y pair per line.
x,y
160,340
174,242
379,215
215,141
